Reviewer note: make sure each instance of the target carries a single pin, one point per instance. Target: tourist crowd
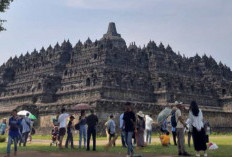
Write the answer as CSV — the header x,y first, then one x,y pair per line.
x,y
135,129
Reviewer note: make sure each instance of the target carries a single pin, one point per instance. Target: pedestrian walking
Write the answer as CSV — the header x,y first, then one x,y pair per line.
x,y
92,122
197,126
70,128
180,130
26,128
3,127
62,125
82,130
129,121
140,129
148,129
111,127
14,123
122,128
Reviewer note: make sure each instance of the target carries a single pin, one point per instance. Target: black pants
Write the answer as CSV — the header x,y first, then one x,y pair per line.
x,y
24,139
189,138
91,131
174,137
112,136
69,139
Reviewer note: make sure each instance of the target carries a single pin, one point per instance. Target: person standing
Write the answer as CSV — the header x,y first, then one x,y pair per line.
x,y
188,132
69,132
62,126
3,127
140,129
122,127
111,126
148,129
26,128
13,135
173,124
197,126
180,130
92,122
129,121
82,131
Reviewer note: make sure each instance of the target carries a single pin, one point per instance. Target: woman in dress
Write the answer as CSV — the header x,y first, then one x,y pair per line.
x,y
82,131
197,127
140,129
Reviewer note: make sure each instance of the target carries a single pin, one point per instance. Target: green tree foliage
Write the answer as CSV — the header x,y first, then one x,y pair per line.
x,y
4,4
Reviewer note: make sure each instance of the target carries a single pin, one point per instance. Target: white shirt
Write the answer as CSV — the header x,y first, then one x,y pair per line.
x,y
196,121
62,120
149,122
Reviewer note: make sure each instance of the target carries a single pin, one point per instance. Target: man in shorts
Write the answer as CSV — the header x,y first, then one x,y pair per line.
x,y
62,125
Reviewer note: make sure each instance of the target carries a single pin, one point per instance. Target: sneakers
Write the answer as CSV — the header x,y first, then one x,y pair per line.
x,y
205,154
198,155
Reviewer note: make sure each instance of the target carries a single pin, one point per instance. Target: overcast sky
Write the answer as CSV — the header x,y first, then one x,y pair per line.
x,y
189,26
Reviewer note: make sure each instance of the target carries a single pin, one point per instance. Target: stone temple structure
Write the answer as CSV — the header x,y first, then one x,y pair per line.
x,y
106,73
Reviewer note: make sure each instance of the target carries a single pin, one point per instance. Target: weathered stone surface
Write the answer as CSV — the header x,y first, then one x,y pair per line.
x,y
105,72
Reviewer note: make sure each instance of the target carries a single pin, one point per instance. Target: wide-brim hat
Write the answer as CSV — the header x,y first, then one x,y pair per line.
x,y
140,114
178,103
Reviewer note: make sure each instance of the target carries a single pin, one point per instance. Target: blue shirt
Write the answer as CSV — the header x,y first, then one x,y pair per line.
x,y
26,124
3,127
121,121
14,127
111,126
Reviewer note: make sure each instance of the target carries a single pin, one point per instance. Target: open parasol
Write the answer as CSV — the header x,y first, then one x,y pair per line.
x,y
33,117
81,107
23,113
164,114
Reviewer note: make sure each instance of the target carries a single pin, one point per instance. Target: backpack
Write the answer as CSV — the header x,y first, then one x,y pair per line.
x,y
173,120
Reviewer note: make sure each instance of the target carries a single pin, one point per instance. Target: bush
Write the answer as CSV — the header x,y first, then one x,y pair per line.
x,y
2,139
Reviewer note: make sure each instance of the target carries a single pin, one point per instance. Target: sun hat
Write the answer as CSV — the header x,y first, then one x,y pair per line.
x,y
140,114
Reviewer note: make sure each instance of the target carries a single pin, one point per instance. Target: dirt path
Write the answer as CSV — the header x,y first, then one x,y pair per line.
x,y
82,154
99,142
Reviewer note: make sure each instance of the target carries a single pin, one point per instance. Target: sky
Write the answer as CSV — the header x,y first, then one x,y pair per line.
x,y
188,26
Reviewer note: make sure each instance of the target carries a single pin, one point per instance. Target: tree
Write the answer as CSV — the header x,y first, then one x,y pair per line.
x,y
4,4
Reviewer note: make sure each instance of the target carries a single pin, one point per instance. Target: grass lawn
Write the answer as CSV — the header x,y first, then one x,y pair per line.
x,y
224,143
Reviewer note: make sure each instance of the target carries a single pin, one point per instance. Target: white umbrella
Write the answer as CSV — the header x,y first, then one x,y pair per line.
x,y
23,113
164,114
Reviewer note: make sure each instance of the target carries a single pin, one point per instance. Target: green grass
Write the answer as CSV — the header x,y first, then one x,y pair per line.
x,y
224,143
48,137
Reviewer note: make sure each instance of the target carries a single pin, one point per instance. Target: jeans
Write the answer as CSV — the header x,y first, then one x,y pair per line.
x,y
129,136
82,134
148,138
123,138
69,139
10,139
91,131
2,132
24,139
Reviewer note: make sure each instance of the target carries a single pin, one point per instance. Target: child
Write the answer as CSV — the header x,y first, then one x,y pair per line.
x,y
14,124
111,127
165,139
69,132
